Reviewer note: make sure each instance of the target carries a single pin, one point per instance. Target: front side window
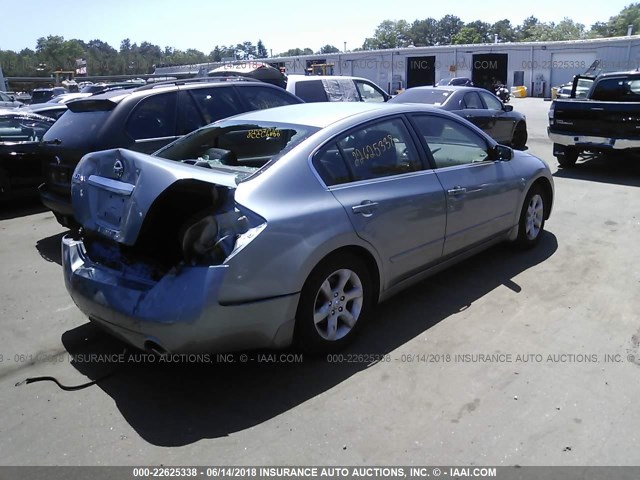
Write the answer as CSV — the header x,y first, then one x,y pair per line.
x,y
492,102
153,117
450,142
368,92
377,150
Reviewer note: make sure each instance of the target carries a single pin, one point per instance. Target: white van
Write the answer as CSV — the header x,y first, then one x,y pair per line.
x,y
330,88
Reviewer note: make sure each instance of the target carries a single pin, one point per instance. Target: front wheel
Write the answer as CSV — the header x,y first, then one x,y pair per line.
x,y
334,303
531,224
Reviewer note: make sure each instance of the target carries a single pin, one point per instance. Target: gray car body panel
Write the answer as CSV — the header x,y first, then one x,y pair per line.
x,y
251,299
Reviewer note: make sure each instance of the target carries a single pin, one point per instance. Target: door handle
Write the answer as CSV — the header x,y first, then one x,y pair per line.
x,y
456,191
366,208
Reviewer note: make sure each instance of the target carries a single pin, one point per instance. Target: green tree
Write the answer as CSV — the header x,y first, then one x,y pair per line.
x,y
598,29
261,50
57,53
474,32
448,26
389,34
526,31
505,31
424,33
328,49
294,52
102,58
630,15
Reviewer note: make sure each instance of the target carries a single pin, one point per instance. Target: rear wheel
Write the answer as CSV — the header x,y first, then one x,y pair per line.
x,y
334,303
519,140
568,158
531,223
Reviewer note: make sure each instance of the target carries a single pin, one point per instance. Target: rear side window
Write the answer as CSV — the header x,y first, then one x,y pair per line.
x,y
471,100
216,103
153,117
311,91
377,150
259,98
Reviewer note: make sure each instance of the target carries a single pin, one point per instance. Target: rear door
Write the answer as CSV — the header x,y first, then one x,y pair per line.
x,y
152,122
393,202
481,194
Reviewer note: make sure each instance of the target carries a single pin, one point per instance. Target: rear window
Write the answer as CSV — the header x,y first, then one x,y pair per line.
x,y
245,148
77,128
41,95
311,91
430,96
617,90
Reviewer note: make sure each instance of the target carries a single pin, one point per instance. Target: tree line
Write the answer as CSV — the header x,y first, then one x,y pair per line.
x,y
55,53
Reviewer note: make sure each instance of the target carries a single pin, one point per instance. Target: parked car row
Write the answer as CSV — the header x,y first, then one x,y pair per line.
x,y
73,137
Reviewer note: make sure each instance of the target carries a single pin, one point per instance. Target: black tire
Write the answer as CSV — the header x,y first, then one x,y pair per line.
x,y
315,336
569,158
532,218
520,136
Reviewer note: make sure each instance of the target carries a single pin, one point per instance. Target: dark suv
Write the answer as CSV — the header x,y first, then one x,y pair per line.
x,y
143,119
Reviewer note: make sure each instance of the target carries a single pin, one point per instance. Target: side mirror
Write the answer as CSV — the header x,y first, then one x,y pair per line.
x,y
508,108
501,152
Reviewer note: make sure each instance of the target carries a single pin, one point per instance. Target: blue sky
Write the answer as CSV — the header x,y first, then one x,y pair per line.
x,y
281,25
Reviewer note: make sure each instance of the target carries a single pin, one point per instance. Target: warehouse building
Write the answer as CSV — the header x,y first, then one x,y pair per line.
x,y
535,65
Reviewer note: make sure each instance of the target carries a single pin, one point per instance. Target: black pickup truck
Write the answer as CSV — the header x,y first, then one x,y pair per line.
x,y
607,120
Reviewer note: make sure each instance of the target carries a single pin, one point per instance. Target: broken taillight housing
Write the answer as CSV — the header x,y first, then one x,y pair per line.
x,y
216,238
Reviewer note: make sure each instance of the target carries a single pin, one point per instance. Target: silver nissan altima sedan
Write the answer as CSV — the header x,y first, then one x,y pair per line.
x,y
289,224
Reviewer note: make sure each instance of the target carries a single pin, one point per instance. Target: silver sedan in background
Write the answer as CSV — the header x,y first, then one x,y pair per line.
x,y
289,224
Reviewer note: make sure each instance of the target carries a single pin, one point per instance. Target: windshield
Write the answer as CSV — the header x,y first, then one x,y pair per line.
x,y
431,96
242,148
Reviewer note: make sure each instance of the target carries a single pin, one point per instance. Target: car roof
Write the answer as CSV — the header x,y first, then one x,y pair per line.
x,y
306,78
323,114
117,95
452,88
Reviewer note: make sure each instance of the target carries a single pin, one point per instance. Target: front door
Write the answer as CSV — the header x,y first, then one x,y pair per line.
x,y
481,193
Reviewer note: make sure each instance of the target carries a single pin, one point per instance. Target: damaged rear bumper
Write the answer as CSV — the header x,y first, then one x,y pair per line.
x,y
180,313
